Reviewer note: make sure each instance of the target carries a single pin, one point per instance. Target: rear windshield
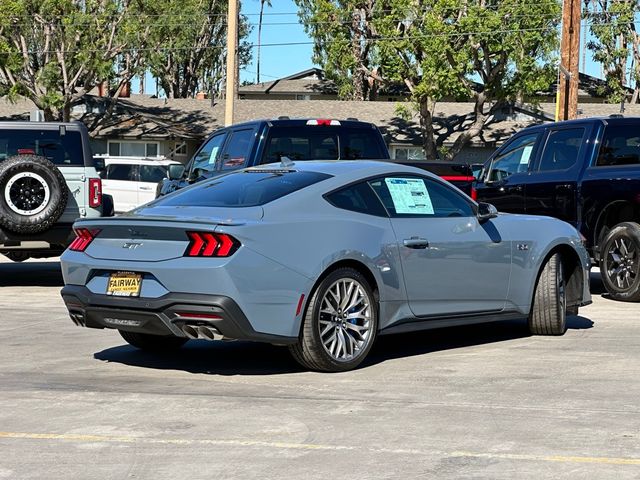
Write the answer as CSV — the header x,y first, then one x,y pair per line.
x,y
242,189
63,150
322,143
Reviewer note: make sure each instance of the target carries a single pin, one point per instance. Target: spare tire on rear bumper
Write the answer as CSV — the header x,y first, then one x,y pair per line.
x,y
33,194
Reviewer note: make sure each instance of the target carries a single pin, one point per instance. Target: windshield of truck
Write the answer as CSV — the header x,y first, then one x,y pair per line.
x,y
62,150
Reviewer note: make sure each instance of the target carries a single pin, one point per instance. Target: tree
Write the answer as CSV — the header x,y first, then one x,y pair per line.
x,y
615,41
343,31
54,51
262,5
191,35
488,51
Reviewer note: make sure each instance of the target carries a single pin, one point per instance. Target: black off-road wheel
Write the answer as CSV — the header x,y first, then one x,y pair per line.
x,y
33,194
340,323
153,343
620,262
549,310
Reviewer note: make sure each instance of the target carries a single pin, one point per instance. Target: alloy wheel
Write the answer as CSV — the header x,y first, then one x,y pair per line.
x,y
622,263
27,193
345,320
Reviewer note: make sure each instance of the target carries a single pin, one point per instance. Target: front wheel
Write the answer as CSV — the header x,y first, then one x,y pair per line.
x,y
340,323
620,262
153,343
549,311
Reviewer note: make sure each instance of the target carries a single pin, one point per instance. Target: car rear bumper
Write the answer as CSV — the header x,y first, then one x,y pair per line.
x,y
166,315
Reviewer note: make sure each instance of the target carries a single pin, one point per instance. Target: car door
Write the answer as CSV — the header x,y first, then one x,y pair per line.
x,y
508,171
451,263
205,162
120,181
150,176
237,151
552,186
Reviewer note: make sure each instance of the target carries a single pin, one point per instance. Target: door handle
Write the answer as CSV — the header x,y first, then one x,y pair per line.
x,y
146,189
514,188
416,242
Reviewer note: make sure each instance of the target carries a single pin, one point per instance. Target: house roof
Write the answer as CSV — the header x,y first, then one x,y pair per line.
x,y
143,116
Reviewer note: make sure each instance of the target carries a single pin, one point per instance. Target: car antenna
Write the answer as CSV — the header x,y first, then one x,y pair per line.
x,y
286,162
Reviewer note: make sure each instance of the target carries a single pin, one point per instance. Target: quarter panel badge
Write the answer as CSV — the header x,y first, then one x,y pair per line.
x,y
523,247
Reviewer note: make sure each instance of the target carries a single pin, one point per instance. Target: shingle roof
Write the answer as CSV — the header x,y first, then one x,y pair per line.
x,y
143,116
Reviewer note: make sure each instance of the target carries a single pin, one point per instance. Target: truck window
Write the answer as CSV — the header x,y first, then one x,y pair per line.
x,y
561,150
514,159
620,146
205,159
238,149
300,144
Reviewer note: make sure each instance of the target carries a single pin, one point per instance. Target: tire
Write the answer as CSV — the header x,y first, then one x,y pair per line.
x,y
346,342
620,262
549,310
33,194
153,343
17,256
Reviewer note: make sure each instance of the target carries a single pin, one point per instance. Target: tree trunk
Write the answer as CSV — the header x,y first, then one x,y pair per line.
x,y
426,106
480,118
358,77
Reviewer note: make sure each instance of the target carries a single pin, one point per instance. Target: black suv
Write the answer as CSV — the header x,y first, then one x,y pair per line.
x,y
266,141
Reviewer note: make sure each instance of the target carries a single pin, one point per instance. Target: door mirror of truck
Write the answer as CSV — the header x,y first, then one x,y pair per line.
x,y
486,211
176,171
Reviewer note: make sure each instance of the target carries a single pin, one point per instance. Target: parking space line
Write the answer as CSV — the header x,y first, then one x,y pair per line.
x,y
67,437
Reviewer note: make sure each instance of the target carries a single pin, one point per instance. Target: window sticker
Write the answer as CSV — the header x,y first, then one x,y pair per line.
x,y
410,195
526,154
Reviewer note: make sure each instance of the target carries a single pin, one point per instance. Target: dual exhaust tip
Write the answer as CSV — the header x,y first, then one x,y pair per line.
x,y
78,319
201,332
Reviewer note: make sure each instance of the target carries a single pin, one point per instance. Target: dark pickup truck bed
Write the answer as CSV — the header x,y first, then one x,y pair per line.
x,y
586,172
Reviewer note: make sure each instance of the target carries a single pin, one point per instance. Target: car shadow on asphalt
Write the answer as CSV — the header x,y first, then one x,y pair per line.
x,y
31,274
248,358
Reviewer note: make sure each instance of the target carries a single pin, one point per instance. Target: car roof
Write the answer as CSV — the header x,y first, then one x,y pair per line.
x,y
301,122
138,161
355,168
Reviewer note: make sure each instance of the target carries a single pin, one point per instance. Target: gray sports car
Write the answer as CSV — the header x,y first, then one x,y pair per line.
x,y
322,257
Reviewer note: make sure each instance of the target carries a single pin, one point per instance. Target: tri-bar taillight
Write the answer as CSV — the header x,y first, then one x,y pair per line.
x,y
209,244
95,192
84,237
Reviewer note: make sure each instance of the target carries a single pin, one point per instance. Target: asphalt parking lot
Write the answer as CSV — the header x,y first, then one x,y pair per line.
x,y
481,402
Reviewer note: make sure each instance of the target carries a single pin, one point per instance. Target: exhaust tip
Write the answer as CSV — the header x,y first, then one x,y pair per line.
x,y
190,332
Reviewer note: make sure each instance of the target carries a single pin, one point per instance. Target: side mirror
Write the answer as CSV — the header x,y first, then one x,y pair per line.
x,y
176,171
486,211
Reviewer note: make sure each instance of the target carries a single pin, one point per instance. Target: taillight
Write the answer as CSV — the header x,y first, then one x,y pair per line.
x,y
323,122
95,192
207,244
474,193
84,237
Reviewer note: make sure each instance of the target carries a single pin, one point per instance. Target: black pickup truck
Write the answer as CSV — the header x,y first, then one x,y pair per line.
x,y
267,141
585,172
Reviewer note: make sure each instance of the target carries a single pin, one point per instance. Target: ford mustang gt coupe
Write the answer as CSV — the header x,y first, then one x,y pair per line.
x,y
322,257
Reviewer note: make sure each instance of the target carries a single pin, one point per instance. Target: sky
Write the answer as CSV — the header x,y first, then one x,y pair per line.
x,y
276,61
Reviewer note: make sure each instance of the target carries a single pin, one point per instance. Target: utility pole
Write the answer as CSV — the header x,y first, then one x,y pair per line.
x,y
567,98
232,49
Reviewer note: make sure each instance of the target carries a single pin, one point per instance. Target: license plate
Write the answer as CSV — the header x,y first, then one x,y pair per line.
x,y
124,284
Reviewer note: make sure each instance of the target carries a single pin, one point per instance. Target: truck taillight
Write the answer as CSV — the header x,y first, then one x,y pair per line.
x,y
83,239
95,192
324,122
474,193
207,244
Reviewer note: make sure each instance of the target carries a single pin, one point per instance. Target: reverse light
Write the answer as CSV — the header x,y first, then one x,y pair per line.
x,y
83,239
323,122
207,244
95,192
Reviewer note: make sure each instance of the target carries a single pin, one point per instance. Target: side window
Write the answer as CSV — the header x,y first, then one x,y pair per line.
x,y
620,146
205,159
561,149
419,196
152,173
357,198
120,172
514,159
238,149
